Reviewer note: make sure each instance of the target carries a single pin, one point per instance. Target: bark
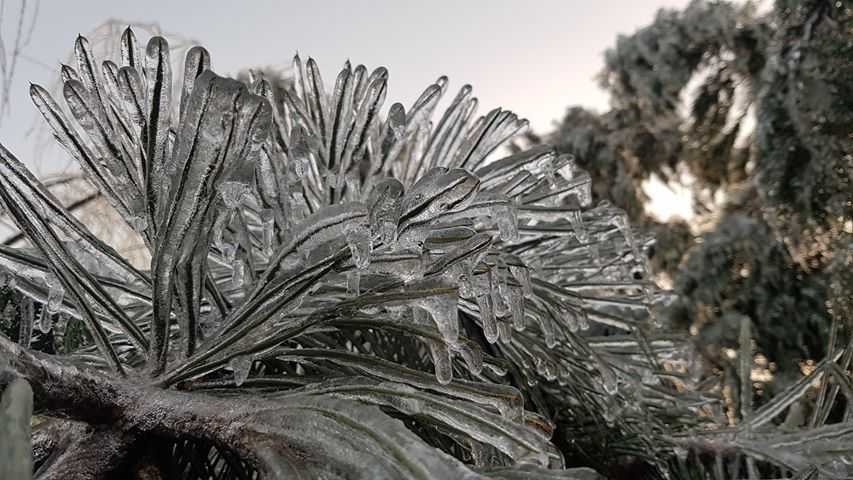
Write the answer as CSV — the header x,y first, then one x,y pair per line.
x,y
118,411
80,452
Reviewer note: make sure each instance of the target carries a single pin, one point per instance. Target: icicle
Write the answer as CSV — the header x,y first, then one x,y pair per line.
x,y
466,288
500,303
584,193
621,223
583,319
546,369
608,379
441,360
358,239
444,310
219,226
268,224
571,320
547,328
578,226
45,320
487,316
507,220
516,307
55,293
504,331
238,273
522,276
569,167
241,365
595,253
229,252
353,280
499,291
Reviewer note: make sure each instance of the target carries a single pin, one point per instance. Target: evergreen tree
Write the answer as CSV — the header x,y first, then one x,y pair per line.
x,y
755,108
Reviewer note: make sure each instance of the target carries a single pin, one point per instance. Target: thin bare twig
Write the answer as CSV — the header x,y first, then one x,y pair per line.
x,y
23,35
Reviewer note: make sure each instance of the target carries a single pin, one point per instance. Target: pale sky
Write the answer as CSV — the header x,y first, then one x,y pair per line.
x,y
534,57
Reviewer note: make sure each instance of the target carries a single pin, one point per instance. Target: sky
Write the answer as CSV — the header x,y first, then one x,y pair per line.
x,y
535,58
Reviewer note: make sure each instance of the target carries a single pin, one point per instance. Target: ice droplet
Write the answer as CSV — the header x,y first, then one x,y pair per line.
x,y
268,224
241,365
487,316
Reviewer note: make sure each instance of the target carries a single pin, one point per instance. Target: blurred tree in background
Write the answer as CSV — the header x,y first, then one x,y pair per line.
x,y
753,112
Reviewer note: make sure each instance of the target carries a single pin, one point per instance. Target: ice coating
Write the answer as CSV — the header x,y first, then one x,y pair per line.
x,y
295,218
